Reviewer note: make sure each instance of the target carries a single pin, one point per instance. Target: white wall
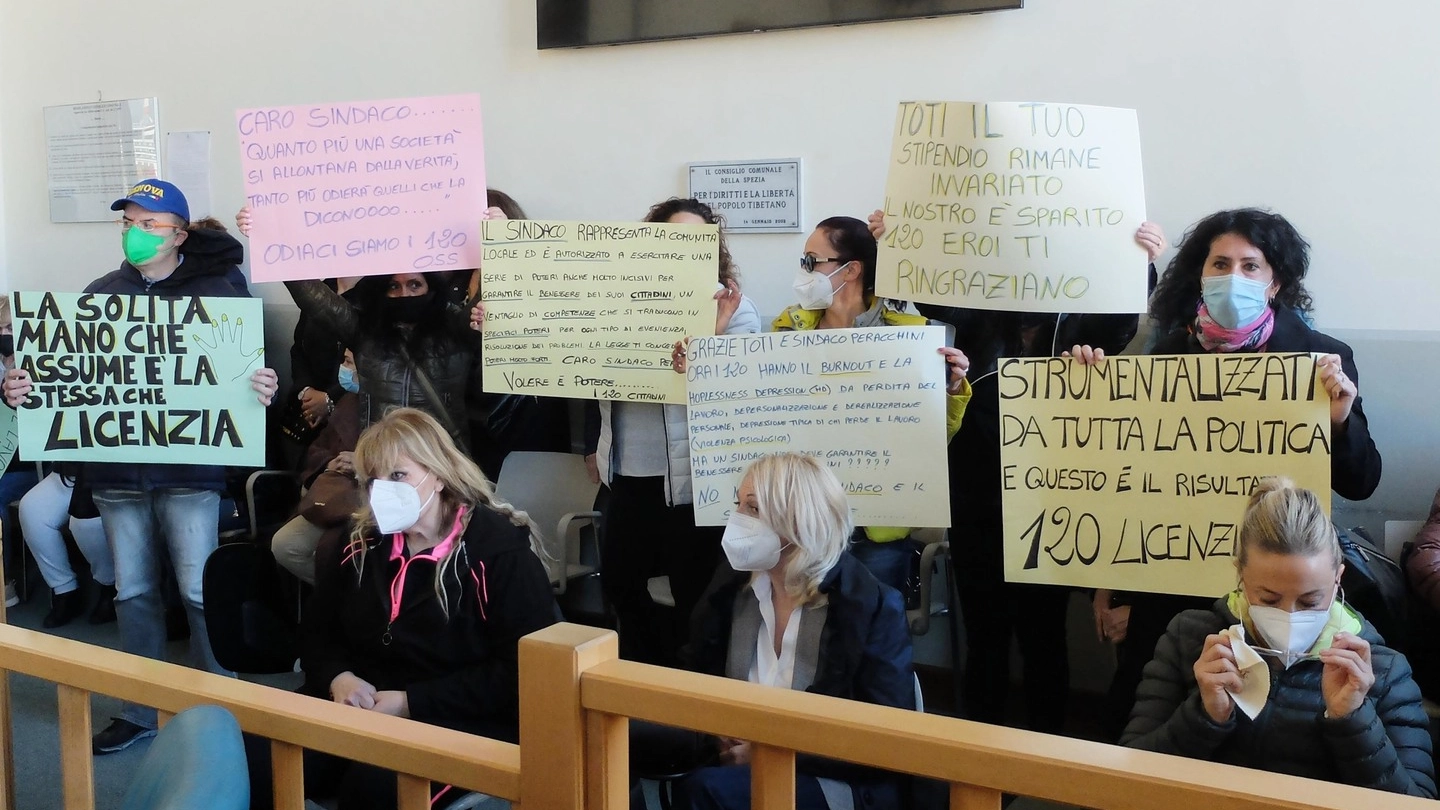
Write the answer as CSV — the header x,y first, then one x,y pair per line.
x,y
1321,109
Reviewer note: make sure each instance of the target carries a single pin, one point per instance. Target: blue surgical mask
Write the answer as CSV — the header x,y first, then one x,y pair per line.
x,y
1235,301
348,381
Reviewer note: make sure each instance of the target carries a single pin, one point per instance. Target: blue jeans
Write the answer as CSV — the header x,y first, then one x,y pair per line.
x,y
187,521
198,761
13,486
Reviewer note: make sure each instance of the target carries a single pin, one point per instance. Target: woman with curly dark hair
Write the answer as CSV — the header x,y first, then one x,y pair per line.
x,y
1236,284
642,453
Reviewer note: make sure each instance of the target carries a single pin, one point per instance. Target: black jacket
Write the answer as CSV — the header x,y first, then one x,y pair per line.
x,y
315,357
1385,744
387,378
985,337
461,673
1354,459
865,655
210,268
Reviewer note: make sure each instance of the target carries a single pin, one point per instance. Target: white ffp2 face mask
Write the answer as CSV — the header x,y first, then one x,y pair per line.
x,y
813,290
1290,633
396,505
749,544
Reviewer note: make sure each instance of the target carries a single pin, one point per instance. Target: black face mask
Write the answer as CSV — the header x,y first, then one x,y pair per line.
x,y
7,345
407,309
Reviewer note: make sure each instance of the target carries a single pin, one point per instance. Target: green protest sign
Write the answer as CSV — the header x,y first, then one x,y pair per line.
x,y
140,378
9,435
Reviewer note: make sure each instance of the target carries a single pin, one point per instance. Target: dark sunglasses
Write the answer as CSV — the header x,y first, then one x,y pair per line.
x,y
808,262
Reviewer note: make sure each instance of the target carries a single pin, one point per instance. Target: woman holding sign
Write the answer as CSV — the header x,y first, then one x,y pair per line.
x,y
1237,284
836,290
998,613
1281,674
642,453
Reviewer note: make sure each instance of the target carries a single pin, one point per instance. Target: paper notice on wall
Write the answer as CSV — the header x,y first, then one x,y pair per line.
x,y
870,403
1133,474
363,188
95,152
187,165
140,379
592,310
1015,206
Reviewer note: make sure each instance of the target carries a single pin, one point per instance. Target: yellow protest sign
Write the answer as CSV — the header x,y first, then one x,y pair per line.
x,y
1133,473
590,310
1014,206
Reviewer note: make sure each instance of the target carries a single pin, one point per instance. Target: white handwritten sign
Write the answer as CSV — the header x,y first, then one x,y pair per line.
x,y
868,402
1015,206
592,310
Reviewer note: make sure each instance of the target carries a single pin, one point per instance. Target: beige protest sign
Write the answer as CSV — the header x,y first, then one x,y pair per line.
x,y
1133,474
592,310
868,402
1015,206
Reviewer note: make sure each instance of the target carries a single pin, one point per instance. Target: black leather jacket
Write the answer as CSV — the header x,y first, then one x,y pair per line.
x,y
389,371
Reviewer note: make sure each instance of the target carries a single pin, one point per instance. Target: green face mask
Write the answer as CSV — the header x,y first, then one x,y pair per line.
x,y
142,247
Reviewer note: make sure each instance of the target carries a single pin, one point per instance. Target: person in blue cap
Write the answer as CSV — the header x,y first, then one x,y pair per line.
x,y
143,505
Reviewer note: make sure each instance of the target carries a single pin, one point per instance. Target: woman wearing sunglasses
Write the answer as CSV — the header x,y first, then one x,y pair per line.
x,y
1319,695
836,290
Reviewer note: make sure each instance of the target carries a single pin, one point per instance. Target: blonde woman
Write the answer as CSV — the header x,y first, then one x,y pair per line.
x,y
420,613
801,613
1340,705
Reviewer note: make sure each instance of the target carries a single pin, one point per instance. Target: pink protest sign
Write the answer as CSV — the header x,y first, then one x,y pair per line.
x,y
363,188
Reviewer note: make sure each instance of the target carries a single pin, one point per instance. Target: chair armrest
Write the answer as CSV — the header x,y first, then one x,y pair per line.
x,y
920,617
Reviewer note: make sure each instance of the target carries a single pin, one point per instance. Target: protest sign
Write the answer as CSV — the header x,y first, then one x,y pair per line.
x,y
1133,473
870,403
363,188
140,378
592,311
9,435
1014,206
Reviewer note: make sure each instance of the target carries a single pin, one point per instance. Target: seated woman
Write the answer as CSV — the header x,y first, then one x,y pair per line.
x,y
421,613
803,614
1341,706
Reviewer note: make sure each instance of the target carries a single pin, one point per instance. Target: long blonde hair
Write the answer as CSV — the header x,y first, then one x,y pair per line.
x,y
1282,518
803,501
413,434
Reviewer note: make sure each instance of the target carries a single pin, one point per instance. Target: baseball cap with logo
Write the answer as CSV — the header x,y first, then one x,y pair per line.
x,y
158,196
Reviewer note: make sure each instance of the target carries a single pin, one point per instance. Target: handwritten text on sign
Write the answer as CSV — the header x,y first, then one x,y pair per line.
x,y
363,188
140,378
592,310
868,402
1015,206
1133,474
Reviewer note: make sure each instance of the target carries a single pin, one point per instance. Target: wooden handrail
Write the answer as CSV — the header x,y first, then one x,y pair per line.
x,y
1043,766
433,753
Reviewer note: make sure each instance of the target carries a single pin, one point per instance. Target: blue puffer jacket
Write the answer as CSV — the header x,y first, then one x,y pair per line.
x,y
1385,744
210,268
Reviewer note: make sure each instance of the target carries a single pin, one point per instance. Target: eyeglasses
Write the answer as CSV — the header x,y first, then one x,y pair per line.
x,y
808,262
146,225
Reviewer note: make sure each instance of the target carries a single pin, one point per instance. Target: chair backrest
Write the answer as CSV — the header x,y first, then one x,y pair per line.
x,y
247,614
197,762
547,486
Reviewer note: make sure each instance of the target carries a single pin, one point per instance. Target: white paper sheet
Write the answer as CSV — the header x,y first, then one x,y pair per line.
x,y
1254,671
187,165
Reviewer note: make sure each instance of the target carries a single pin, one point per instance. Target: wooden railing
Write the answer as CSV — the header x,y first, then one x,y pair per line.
x,y
576,701
420,753
587,696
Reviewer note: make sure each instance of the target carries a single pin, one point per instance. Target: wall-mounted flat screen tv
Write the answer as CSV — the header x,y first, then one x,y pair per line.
x,y
577,23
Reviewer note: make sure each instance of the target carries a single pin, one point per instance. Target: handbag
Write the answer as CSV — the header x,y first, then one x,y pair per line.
x,y
331,500
293,423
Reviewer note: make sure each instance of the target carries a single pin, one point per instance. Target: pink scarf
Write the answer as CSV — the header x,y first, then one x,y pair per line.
x,y
1215,338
